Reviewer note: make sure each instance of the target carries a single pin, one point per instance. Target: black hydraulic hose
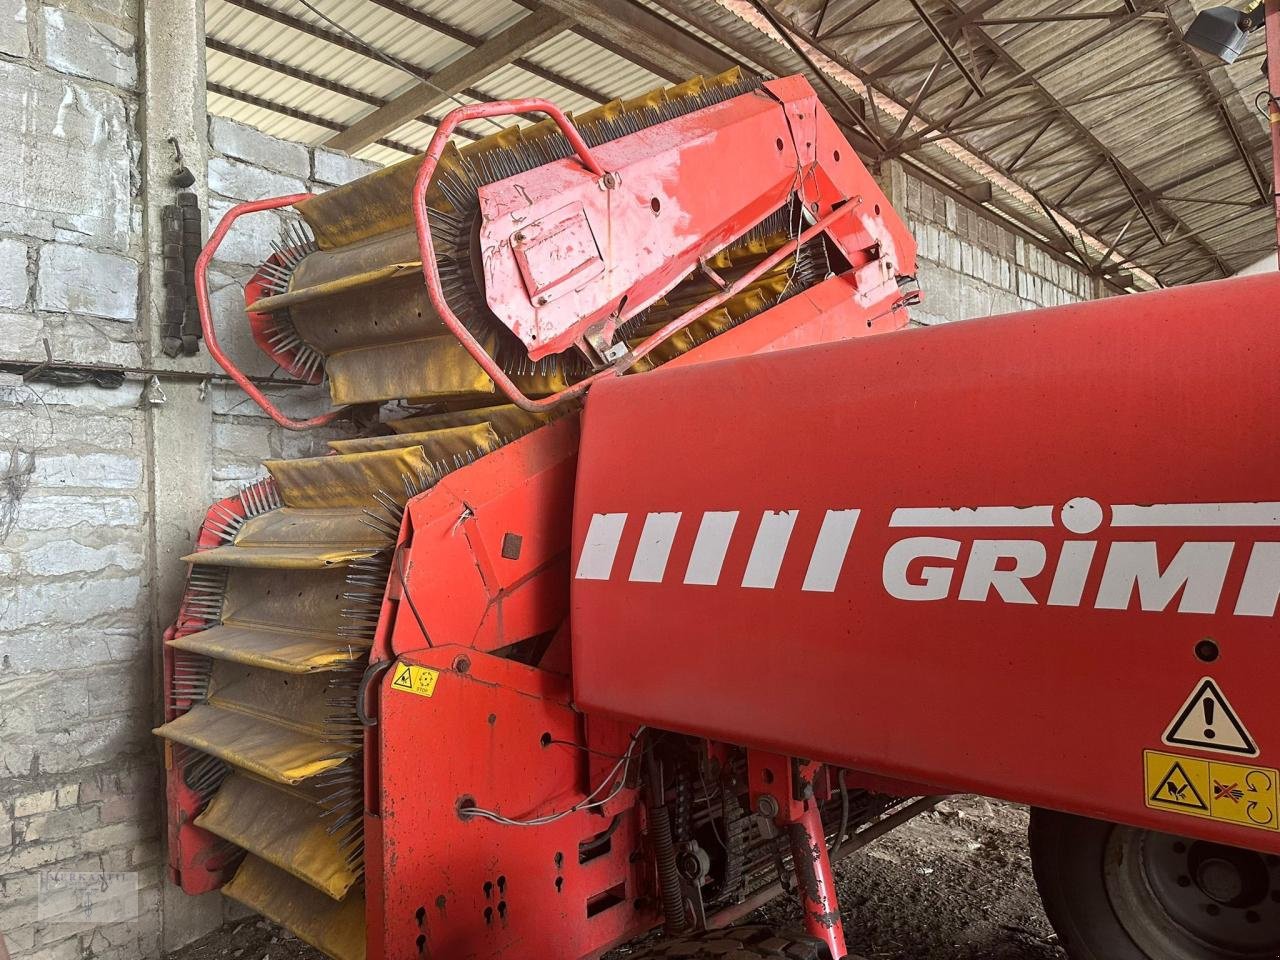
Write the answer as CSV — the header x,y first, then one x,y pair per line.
x,y
668,872
664,848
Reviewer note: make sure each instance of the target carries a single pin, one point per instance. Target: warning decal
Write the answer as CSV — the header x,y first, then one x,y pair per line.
x,y
1207,721
415,679
1176,789
1213,789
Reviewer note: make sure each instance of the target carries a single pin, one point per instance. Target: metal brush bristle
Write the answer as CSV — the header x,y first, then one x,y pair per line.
x,y
366,584
259,497
202,600
306,361
294,245
341,725
189,682
223,523
202,773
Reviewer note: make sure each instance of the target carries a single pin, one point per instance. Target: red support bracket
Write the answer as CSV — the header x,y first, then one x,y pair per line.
x,y
786,791
816,880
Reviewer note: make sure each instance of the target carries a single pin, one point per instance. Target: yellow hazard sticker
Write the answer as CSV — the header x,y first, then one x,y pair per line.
x,y
414,679
1212,789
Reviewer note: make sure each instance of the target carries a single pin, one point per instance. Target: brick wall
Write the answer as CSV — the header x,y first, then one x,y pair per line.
x,y
971,266
79,785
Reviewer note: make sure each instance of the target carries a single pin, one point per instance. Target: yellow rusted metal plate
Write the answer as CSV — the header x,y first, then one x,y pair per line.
x,y
304,601
439,444
268,750
345,480
336,287
394,310
279,650
606,111
278,558
284,828
393,248
364,208
433,368
333,928
506,419
288,526
300,702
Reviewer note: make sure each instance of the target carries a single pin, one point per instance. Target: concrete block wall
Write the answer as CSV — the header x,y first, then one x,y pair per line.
x,y
972,266
77,781
79,769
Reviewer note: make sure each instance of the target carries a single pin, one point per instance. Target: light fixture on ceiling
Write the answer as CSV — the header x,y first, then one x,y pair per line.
x,y
1222,32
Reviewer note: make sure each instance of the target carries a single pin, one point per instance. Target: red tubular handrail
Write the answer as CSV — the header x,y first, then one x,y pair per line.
x,y
206,314
431,272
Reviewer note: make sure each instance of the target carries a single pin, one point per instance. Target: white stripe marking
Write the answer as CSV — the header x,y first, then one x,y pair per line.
x,y
829,551
768,550
710,547
1196,515
656,538
972,517
600,546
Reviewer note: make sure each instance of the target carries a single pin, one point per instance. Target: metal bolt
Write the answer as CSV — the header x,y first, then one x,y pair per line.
x,y
767,806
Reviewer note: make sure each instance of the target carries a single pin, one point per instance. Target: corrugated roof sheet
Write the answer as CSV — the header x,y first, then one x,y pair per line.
x,y
1084,111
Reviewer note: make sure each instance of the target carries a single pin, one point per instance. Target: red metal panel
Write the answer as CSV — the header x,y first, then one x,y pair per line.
x,y
445,885
464,589
1004,651
674,201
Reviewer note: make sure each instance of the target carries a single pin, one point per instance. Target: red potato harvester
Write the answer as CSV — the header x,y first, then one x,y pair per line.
x,y
657,566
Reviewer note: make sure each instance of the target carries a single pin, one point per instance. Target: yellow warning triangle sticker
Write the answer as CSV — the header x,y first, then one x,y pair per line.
x,y
1207,721
1177,790
403,678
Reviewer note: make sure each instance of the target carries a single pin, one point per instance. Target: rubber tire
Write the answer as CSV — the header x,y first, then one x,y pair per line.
x,y
1067,861
738,943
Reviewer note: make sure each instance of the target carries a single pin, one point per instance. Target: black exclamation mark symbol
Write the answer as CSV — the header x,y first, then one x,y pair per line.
x,y
1207,704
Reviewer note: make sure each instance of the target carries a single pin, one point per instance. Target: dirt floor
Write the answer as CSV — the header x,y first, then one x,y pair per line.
x,y
954,884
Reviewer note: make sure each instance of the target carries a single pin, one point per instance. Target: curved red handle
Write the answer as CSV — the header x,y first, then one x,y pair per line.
x,y
206,314
431,273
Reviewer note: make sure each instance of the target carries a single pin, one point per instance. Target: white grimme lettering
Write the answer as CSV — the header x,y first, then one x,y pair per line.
x,y
934,581
930,568
1192,581
983,572
1071,573
1198,570
1260,591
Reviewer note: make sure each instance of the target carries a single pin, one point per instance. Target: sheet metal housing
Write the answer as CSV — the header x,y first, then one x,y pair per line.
x,y
971,679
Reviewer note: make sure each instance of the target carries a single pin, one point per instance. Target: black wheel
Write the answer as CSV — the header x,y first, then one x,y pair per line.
x,y
1119,893
738,943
